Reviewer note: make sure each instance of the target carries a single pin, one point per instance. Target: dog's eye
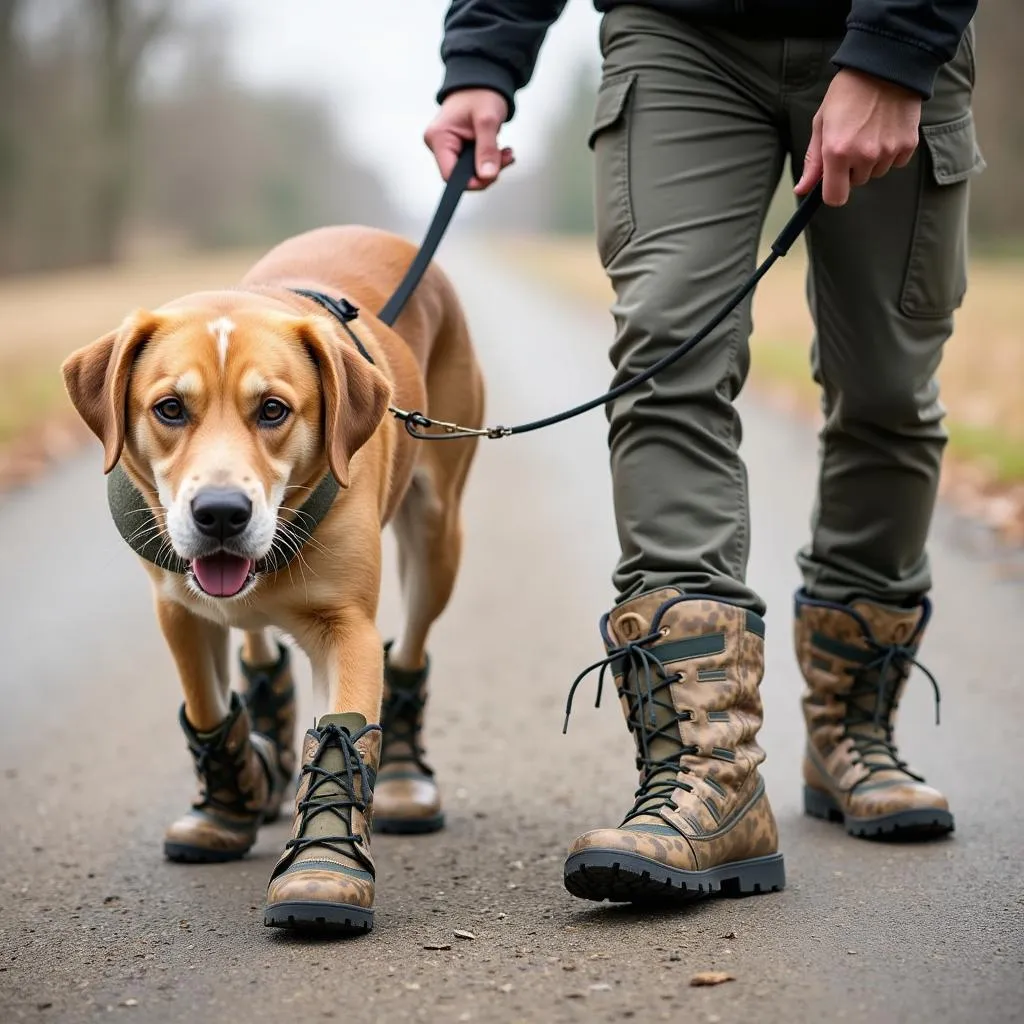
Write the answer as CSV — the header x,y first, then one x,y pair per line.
x,y
170,411
273,412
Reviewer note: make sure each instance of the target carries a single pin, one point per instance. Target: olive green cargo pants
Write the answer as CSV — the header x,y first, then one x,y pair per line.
x,y
692,129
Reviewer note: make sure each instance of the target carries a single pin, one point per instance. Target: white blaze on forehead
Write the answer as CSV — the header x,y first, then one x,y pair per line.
x,y
221,329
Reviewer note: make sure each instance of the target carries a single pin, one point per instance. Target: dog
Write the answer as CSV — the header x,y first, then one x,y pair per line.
x,y
249,429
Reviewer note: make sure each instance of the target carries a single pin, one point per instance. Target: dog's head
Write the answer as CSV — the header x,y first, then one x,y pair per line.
x,y
224,416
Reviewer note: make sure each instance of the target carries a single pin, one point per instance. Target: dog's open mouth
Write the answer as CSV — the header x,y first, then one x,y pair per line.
x,y
222,574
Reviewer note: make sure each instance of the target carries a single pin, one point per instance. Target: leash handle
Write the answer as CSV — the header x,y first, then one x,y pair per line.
x,y
798,222
458,180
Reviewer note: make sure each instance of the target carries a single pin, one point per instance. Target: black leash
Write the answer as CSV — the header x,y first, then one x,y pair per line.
x,y
462,174
418,425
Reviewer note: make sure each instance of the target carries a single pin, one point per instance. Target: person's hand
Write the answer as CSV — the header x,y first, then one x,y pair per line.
x,y
470,114
864,127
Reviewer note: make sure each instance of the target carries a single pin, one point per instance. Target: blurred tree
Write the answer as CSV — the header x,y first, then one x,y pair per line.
x,y
229,165
98,156
997,199
126,30
9,154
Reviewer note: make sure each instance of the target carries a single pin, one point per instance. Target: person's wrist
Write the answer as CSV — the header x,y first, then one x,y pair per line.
x,y
883,86
466,72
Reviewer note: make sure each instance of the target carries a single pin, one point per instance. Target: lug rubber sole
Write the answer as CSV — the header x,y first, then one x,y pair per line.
x,y
621,877
182,853
917,823
408,826
316,916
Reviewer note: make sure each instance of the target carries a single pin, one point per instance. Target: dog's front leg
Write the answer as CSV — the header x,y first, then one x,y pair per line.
x,y
325,878
200,651
348,667
240,783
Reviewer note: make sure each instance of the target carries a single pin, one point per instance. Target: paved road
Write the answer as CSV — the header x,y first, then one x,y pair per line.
x,y
93,924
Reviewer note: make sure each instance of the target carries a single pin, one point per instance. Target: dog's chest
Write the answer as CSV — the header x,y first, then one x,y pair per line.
x,y
245,613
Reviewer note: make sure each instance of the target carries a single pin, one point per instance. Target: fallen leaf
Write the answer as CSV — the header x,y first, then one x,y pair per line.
x,y
438,945
459,934
130,1002
710,978
728,935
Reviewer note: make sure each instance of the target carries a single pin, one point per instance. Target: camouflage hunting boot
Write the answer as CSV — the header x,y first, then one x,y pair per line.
x,y
269,695
324,880
856,660
406,799
687,671
240,787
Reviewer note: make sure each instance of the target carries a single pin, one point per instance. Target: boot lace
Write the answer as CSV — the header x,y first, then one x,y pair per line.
x,y
660,775
400,721
879,679
218,770
340,804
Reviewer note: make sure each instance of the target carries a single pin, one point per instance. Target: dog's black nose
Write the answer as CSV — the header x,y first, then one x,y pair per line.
x,y
221,512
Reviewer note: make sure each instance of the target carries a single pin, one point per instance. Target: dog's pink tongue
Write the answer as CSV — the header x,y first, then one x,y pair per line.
x,y
221,575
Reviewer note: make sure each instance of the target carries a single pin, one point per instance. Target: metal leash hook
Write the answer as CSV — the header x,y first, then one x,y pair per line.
x,y
418,425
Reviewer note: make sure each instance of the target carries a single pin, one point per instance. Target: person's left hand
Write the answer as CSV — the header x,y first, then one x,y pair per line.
x,y
864,127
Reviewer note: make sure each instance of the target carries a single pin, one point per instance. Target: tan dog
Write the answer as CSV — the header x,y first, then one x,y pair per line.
x,y
227,410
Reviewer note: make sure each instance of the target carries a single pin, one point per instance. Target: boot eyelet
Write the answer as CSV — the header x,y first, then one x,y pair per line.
x,y
664,631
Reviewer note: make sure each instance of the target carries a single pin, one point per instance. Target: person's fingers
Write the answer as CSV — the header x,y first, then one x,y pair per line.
x,y
445,145
488,157
836,174
812,162
905,155
883,167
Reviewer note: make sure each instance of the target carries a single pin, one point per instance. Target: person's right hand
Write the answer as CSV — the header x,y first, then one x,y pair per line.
x,y
475,114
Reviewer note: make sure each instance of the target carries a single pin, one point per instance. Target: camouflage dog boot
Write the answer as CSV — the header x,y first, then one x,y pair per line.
x,y
324,880
269,695
855,661
687,671
240,788
407,799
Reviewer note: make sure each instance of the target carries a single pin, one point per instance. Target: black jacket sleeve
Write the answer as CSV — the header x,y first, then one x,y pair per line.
x,y
493,44
904,41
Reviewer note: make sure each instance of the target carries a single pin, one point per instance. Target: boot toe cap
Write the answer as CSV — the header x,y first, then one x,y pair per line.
x,y
199,835
884,800
413,797
324,883
665,846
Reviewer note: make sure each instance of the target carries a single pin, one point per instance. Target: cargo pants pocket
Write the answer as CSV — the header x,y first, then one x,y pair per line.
x,y
609,140
936,277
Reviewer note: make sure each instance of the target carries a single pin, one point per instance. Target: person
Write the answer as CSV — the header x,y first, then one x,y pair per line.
x,y
699,105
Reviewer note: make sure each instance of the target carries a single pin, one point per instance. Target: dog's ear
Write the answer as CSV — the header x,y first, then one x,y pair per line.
x,y
96,379
356,394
